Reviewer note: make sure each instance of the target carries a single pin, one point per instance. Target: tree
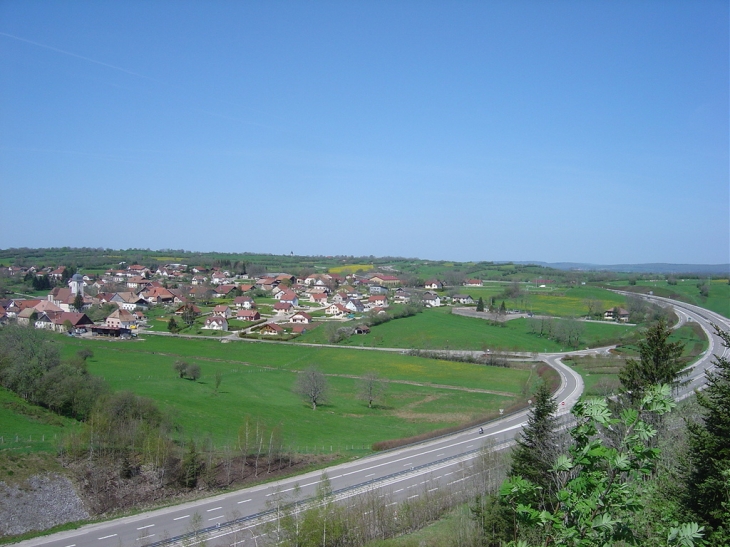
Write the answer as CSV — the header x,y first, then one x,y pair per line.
x,y
502,308
78,302
708,482
595,306
370,388
312,385
600,488
193,372
181,367
536,449
172,325
659,362
189,314
191,466
218,380
480,304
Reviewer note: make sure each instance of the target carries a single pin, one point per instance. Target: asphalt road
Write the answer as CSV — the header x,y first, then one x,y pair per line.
x,y
400,474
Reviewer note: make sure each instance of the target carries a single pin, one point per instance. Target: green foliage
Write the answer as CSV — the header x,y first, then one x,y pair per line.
x,y
172,326
26,355
480,304
660,362
537,445
191,466
599,486
708,482
78,302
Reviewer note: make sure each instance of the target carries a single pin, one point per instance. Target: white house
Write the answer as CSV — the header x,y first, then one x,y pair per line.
x,y
216,322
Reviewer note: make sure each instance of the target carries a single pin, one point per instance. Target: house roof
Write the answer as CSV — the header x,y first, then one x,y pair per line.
x,y
215,319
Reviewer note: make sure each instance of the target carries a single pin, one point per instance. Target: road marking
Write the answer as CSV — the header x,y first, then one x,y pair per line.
x,y
143,527
432,489
447,474
413,496
72,545
244,501
145,537
470,446
214,509
438,455
107,537
218,517
407,464
178,518
370,475
401,490
389,504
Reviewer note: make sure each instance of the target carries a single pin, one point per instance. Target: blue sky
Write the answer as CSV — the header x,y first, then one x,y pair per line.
x,y
551,131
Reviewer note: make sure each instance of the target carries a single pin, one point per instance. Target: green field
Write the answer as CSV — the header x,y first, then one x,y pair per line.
x,y
438,328
258,379
28,428
600,374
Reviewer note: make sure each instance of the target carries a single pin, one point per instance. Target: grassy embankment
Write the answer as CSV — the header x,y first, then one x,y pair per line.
x,y
600,374
28,428
718,299
258,380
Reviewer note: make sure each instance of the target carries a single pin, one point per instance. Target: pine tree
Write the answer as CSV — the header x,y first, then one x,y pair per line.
x,y
708,482
536,449
660,362
480,304
172,325
502,308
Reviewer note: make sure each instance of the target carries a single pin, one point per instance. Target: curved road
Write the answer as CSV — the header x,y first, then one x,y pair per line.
x,y
400,474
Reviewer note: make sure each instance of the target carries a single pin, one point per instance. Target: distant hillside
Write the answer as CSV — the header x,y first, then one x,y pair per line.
x,y
663,268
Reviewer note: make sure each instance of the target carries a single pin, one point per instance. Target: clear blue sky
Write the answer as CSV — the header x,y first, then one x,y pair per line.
x,y
552,131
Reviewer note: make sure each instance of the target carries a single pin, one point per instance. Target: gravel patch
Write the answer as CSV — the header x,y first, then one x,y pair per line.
x,y
42,502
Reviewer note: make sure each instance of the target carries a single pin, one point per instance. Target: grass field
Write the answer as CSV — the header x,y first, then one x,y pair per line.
x,y
600,374
28,428
437,328
258,381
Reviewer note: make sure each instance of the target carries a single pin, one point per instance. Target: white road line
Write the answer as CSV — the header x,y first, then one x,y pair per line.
x,y
214,509
413,496
401,490
178,518
439,455
432,489
407,464
370,475
144,527
72,545
244,501
470,446
107,537
145,537
218,517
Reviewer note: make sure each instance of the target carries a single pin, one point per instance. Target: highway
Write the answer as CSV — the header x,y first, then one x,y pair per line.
x,y
405,473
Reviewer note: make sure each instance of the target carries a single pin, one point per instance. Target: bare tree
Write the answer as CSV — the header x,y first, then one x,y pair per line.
x,y
312,385
370,388
594,306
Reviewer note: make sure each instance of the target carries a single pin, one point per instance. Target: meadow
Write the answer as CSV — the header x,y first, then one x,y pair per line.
x,y
438,328
258,381
600,373
29,428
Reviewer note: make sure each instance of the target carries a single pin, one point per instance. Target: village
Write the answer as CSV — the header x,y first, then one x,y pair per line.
x,y
271,305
